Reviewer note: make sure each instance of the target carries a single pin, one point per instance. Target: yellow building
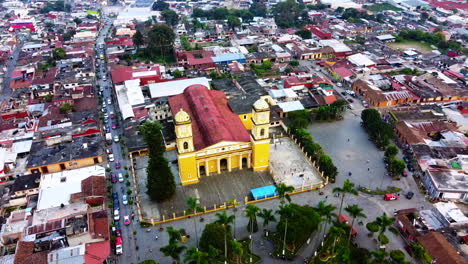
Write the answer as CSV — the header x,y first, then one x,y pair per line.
x,y
210,138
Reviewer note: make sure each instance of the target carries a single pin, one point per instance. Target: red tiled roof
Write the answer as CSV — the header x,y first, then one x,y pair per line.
x,y
343,72
329,99
96,253
449,5
440,249
212,119
126,73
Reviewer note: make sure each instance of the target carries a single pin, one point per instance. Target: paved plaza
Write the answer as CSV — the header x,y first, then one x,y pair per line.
x,y
215,189
289,165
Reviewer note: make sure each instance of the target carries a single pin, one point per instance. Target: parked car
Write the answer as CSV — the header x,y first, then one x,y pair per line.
x,y
118,232
390,197
410,167
115,195
350,100
126,219
109,101
118,246
112,115
343,93
409,195
404,173
116,138
365,104
116,215
113,178
109,151
111,157
121,178
124,199
117,165
114,125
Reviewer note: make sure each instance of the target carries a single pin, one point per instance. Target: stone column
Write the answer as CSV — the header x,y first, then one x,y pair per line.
x,y
229,163
207,168
240,161
248,160
219,165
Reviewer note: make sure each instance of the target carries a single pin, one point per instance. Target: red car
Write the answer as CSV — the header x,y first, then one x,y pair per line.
x,y
112,115
114,178
117,165
404,173
390,197
114,125
126,219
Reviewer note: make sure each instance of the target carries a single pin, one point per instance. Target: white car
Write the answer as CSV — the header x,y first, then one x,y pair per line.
x,y
111,157
116,215
121,178
109,101
116,138
124,199
103,104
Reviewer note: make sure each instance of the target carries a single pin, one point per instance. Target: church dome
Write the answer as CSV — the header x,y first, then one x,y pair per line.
x,y
182,117
261,104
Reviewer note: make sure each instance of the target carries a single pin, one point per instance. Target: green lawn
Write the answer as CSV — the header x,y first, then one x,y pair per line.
x,y
382,7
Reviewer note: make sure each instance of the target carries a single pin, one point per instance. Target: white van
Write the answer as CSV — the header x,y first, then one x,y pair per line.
x,y
121,178
116,215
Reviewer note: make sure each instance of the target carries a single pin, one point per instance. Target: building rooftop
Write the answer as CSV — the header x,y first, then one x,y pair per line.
x,y
78,148
26,182
440,249
171,88
56,188
212,120
448,180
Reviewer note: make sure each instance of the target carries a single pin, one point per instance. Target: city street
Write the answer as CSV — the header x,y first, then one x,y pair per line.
x,y
6,91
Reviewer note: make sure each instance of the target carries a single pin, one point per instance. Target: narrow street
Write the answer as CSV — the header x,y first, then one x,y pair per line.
x,y
6,91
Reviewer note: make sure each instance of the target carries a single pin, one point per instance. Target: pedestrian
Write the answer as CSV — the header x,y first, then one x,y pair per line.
x,y
326,197
348,139
368,169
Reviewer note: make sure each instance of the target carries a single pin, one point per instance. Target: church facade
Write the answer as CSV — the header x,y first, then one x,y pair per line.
x,y
211,139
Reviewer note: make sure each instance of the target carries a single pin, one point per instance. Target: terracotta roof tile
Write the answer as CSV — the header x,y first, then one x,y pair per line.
x,y
440,249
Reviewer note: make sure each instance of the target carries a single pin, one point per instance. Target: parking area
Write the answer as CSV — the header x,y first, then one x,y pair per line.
x,y
289,165
213,190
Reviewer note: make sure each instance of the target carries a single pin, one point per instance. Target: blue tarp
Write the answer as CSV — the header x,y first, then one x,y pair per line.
x,y
262,192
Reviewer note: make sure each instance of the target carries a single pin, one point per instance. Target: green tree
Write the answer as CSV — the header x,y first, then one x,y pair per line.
x,y
192,207
286,212
268,216
372,227
185,43
170,16
213,237
385,223
234,205
354,212
173,250
391,151
66,108
175,235
326,165
160,5
419,253
177,73
326,213
160,41
283,191
396,166
348,188
258,9
379,256
397,256
160,180
233,22
225,220
138,39
294,63
237,250
77,20
59,53
251,212
289,13
195,256
304,34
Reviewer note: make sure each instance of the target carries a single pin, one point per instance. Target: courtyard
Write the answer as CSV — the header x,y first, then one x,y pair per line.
x,y
213,190
289,165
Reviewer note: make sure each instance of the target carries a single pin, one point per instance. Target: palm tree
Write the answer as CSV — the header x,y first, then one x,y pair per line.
x,y
268,216
251,212
348,187
174,234
192,207
326,213
355,212
283,191
384,222
195,256
286,212
225,220
337,230
379,256
238,250
173,250
234,203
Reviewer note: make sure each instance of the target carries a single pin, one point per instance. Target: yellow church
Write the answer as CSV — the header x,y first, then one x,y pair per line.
x,y
211,139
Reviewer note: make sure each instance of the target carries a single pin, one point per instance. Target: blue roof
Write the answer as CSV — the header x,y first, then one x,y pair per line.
x,y
228,57
263,192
